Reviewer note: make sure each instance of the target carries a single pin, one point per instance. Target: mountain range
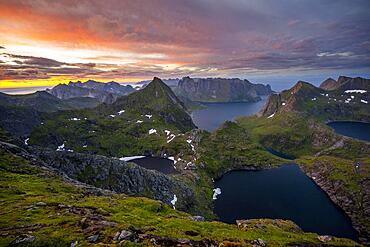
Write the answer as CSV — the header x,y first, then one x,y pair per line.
x,y
102,92
62,173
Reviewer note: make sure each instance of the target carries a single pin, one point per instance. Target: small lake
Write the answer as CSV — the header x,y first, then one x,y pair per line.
x,y
280,193
215,114
156,163
358,130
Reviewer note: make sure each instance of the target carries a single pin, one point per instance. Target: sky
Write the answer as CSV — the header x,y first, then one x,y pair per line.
x,y
44,43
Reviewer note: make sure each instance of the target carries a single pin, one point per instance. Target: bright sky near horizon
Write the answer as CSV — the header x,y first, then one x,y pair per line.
x,y
44,42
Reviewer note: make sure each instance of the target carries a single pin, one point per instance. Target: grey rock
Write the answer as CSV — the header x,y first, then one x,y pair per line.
x,y
197,218
119,176
25,238
93,238
325,238
40,204
123,235
259,242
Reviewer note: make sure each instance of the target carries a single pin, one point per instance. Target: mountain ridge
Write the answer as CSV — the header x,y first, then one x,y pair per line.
x,y
221,90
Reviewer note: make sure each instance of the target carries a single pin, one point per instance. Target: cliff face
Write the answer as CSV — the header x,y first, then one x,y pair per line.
x,y
103,92
119,176
221,90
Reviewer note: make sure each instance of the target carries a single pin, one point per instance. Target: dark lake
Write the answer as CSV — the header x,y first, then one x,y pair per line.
x,y
215,114
280,154
280,193
156,163
356,130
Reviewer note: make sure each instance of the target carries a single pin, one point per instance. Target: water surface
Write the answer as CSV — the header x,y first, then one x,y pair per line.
x,y
358,130
280,193
163,165
215,114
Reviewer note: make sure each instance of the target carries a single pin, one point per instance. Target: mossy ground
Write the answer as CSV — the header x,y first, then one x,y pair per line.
x,y
58,222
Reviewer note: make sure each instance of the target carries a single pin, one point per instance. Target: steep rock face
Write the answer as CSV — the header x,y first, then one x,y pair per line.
x,y
355,203
221,90
103,92
119,176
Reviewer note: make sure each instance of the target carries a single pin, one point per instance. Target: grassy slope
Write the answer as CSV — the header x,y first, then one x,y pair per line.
x,y
23,185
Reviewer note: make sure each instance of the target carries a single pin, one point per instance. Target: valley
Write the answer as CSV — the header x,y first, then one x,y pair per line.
x,y
86,153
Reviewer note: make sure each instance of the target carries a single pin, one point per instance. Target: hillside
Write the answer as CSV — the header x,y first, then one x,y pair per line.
x,y
19,114
40,207
122,128
220,90
102,92
347,102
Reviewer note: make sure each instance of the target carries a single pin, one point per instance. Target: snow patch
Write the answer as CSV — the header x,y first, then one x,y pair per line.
x,y
170,138
313,99
355,91
364,101
120,112
26,141
139,121
152,131
113,116
128,158
283,103
149,116
173,159
216,192
167,132
173,201
75,119
273,114
189,141
60,148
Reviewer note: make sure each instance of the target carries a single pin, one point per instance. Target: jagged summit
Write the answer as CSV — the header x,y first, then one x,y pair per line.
x,y
103,92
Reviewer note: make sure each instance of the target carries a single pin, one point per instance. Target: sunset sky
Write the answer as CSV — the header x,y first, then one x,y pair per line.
x,y
48,42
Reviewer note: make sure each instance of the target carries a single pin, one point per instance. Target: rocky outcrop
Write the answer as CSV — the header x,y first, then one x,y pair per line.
x,y
119,176
103,92
221,90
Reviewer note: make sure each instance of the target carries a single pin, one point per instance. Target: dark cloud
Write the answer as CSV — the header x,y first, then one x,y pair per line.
x,y
2,47
211,37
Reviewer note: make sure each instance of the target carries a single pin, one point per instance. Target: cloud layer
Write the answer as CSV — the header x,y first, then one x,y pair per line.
x,y
127,39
